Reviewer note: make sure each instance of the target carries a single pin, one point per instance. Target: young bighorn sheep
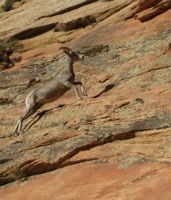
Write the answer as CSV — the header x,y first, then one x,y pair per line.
x,y
53,89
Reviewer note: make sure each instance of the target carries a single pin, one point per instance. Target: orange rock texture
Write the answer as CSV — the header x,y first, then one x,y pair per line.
x,y
114,144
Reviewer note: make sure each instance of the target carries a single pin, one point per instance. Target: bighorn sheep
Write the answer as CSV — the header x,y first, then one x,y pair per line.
x,y
53,89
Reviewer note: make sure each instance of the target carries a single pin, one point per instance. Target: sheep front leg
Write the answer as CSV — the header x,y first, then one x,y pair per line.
x,y
71,85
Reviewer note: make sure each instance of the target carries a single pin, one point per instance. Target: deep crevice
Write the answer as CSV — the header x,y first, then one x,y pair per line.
x,y
74,7
33,32
32,167
39,168
81,22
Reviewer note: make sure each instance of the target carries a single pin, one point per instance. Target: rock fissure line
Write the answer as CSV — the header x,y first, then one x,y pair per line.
x,y
36,167
146,175
33,32
42,167
47,143
127,78
85,142
71,8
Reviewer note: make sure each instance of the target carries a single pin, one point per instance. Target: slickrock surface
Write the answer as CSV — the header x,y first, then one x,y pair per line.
x,y
116,143
95,181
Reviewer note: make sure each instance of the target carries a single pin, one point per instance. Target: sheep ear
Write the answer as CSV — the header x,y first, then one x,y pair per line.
x,y
61,48
64,49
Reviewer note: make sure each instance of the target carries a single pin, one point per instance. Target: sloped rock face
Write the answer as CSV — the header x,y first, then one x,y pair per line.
x,y
115,144
95,181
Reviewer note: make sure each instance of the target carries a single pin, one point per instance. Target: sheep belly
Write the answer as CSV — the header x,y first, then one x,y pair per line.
x,y
50,92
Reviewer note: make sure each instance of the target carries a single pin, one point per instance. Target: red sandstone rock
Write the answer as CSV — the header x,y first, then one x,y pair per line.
x,y
95,181
115,144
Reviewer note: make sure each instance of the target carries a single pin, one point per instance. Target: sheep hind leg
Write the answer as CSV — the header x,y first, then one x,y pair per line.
x,y
18,127
25,116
